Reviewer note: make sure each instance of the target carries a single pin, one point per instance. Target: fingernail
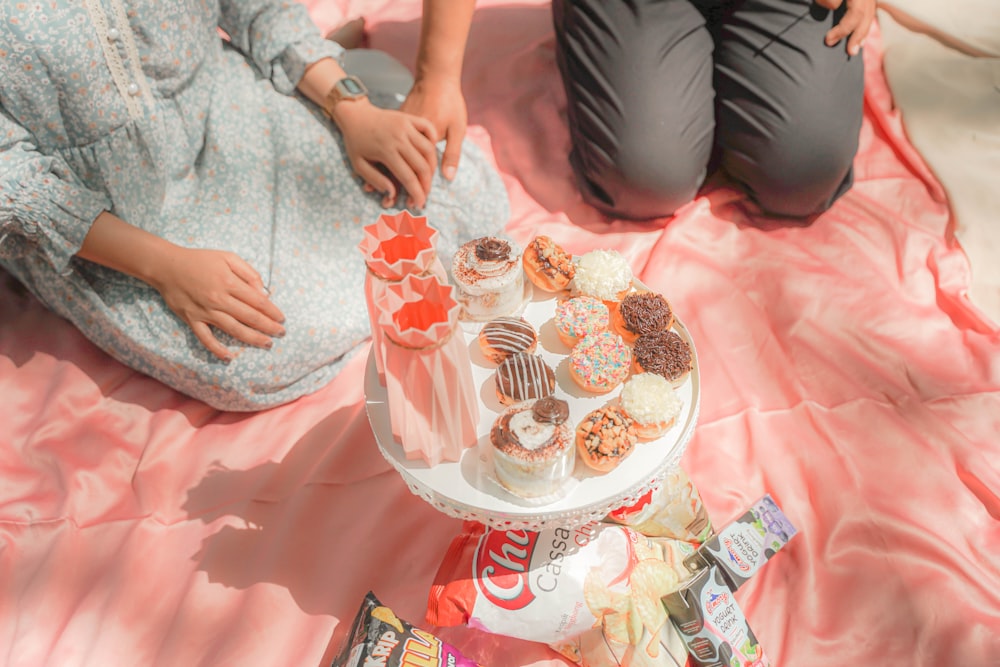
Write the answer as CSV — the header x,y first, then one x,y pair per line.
x,y
281,334
449,172
269,344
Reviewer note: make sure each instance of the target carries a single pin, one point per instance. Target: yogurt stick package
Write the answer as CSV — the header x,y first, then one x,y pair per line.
x,y
593,593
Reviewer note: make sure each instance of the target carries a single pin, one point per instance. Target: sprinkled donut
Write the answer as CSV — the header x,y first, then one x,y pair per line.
x,y
600,362
578,317
664,353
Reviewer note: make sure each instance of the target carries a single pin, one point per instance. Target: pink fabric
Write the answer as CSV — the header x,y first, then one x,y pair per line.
x,y
843,372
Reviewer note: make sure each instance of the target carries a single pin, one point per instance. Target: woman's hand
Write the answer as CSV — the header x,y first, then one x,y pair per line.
x,y
399,142
214,288
203,287
440,101
855,23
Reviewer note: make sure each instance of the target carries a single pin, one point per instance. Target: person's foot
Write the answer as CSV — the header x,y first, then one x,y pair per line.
x,y
351,34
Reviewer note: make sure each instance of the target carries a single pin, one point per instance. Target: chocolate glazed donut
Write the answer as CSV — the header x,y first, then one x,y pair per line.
x,y
523,377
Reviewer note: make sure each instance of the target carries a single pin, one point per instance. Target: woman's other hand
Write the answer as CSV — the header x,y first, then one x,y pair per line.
x,y
440,100
205,288
215,288
400,142
854,24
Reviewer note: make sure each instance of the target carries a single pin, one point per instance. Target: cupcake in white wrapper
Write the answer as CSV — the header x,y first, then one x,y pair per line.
x,y
533,452
489,277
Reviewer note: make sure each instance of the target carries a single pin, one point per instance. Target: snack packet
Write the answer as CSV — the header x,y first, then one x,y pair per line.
x,y
379,638
712,624
558,585
743,546
673,508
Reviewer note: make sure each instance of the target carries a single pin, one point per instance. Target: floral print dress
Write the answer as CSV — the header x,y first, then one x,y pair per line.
x,y
143,109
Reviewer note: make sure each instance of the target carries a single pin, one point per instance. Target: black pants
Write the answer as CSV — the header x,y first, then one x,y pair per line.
x,y
661,91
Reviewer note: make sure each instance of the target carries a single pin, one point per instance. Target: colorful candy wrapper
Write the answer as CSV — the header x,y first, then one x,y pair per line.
x,y
592,593
379,638
433,404
395,246
673,508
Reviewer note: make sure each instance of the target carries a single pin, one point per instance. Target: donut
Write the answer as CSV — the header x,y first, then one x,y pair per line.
x,y
664,353
504,336
580,316
641,313
651,401
605,437
604,274
600,362
547,265
522,377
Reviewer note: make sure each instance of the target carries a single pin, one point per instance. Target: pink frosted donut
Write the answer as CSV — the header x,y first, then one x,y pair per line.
x,y
580,316
600,362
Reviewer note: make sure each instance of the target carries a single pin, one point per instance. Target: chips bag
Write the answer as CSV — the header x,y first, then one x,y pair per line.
x,y
558,585
673,508
379,639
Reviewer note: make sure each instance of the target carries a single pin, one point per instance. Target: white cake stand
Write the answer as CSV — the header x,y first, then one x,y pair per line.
x,y
468,490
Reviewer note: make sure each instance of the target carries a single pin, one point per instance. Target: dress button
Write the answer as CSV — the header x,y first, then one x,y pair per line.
x,y
133,89
113,34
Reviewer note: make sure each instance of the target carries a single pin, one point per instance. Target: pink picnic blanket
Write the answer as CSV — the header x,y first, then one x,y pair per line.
x,y
843,372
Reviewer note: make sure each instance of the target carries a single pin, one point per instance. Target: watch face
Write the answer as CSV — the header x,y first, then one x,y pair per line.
x,y
352,87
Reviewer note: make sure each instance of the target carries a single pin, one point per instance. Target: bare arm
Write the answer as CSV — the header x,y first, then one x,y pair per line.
x,y
437,91
400,142
203,287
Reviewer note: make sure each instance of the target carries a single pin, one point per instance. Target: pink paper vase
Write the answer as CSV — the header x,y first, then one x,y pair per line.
x,y
395,246
432,399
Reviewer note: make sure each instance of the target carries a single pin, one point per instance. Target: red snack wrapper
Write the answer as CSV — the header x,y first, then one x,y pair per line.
x,y
379,638
557,586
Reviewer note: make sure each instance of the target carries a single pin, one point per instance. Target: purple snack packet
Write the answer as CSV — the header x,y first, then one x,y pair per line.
x,y
742,547
378,638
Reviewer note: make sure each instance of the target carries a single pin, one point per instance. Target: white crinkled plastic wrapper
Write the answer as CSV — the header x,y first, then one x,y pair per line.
x,y
592,593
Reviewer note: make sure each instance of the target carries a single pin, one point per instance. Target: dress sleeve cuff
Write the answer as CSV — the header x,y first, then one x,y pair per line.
x,y
49,215
292,62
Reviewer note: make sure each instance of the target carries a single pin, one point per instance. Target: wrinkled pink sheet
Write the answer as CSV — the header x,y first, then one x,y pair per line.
x,y
843,372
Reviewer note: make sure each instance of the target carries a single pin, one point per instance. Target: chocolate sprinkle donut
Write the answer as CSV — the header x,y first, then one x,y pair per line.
x,y
645,312
664,353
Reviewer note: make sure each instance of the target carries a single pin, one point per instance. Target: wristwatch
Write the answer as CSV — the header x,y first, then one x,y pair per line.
x,y
348,88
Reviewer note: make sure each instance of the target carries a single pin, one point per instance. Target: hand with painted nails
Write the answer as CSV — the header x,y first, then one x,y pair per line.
x,y
854,24
215,288
389,148
440,100
205,288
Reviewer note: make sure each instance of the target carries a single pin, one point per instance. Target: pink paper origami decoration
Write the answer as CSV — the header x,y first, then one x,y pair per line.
x,y
395,246
433,404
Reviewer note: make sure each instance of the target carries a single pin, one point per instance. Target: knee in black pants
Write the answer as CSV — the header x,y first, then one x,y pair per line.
x,y
644,180
795,179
